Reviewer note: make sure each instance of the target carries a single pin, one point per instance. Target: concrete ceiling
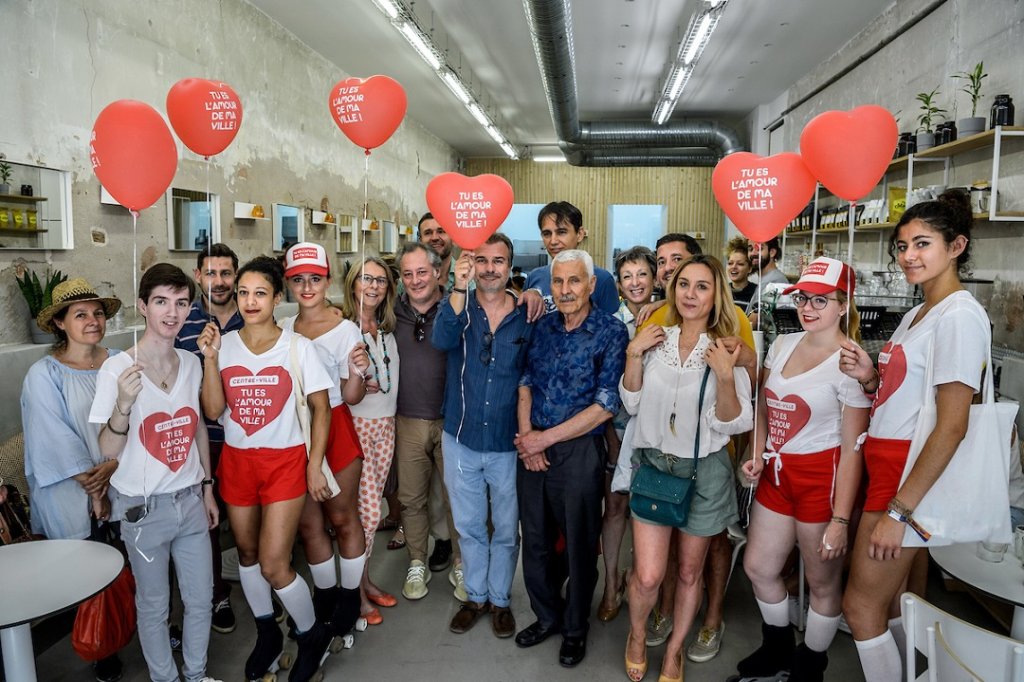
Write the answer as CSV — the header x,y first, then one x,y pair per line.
x,y
760,48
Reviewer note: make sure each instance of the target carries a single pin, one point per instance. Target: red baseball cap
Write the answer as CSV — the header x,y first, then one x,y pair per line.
x,y
825,275
306,257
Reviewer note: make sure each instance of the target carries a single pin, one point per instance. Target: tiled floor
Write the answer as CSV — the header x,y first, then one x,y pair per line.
x,y
414,643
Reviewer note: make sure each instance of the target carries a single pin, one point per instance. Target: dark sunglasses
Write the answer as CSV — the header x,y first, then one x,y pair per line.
x,y
485,352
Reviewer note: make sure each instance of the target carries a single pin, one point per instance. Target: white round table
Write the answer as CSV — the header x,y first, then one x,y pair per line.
x,y
1003,580
40,579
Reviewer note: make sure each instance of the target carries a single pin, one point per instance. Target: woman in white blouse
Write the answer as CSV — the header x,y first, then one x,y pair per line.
x,y
661,385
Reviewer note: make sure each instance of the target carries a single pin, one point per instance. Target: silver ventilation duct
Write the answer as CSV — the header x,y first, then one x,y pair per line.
x,y
611,143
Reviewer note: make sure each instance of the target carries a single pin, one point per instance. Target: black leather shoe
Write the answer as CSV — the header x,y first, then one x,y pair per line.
x,y
572,651
441,558
534,634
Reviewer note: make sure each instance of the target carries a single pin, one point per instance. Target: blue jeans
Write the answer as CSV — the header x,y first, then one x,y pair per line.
x,y
175,527
488,564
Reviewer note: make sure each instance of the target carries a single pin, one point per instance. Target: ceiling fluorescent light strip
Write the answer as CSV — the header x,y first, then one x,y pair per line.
x,y
420,43
388,7
698,33
509,150
456,85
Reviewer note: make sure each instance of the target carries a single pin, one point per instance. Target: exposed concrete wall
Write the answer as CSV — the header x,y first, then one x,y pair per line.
x,y
64,60
953,38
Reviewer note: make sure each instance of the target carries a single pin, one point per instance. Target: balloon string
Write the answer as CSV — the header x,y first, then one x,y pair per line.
x,y
135,276
209,244
757,358
849,272
362,237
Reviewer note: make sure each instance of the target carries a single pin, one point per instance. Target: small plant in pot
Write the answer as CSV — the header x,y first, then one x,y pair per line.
x,y
38,294
972,88
5,175
930,110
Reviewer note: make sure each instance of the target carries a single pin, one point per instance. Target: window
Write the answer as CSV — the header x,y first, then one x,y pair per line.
x,y
634,224
193,219
35,209
289,226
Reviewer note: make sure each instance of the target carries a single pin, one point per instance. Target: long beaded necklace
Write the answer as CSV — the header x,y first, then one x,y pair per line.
x,y
371,345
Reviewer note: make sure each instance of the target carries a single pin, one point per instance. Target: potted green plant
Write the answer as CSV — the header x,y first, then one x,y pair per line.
x,y
972,87
38,294
5,175
930,110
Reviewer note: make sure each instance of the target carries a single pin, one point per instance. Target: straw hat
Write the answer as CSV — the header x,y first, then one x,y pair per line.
x,y
73,291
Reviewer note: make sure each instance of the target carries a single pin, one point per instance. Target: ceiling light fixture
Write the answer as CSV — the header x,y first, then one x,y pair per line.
x,y
702,25
549,159
405,22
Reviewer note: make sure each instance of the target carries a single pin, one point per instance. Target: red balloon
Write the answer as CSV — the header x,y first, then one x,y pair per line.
x,y
133,153
368,111
849,151
206,114
761,195
469,209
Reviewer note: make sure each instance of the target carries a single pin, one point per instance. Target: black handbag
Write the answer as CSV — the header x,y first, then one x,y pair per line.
x,y
660,497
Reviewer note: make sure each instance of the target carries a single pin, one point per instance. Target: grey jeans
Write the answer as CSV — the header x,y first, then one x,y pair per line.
x,y
175,527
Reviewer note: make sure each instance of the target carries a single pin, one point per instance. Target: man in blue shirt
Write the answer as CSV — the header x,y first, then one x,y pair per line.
x,y
215,275
569,389
561,229
486,335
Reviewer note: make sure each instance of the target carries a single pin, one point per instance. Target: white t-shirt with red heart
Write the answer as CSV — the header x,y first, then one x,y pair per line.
x,y
805,412
260,401
962,336
160,454
334,347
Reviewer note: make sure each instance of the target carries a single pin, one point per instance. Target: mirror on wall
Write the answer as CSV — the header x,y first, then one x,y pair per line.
x,y
193,219
35,207
289,225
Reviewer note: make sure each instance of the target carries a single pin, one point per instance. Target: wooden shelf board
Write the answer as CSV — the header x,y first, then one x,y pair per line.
x,y
21,233
19,199
964,144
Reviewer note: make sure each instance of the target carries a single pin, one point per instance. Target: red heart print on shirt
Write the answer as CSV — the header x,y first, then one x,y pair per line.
x,y
255,400
892,370
168,439
786,418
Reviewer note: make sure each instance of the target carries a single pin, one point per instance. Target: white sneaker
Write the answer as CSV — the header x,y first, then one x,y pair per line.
x,y
416,580
456,578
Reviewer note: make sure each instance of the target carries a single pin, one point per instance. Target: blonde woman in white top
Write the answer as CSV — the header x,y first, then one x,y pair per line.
x,y
661,385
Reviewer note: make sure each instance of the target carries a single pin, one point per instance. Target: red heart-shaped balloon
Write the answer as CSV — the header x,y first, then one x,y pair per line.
x,y
205,114
133,153
469,209
849,151
369,110
761,195
168,439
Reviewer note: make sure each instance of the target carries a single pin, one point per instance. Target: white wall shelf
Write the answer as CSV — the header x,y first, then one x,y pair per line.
x,y
320,218
245,211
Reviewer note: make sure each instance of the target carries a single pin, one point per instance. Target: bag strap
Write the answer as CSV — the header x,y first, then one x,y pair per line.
x,y
987,387
700,412
296,371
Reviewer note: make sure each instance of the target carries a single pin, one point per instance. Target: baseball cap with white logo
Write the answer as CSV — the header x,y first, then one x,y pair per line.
x,y
825,275
306,257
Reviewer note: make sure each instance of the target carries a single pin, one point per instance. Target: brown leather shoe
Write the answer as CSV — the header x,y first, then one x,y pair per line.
x,y
466,616
503,623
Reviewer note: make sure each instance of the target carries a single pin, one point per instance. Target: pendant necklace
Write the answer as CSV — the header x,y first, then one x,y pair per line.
x,y
371,345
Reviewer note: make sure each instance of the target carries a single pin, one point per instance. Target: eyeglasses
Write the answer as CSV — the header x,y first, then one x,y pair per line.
x,y
419,329
817,302
485,352
369,280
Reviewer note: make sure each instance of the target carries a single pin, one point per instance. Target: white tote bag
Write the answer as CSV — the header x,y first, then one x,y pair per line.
x,y
970,501
302,413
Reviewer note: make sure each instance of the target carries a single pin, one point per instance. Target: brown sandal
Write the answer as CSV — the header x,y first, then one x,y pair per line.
x,y
398,539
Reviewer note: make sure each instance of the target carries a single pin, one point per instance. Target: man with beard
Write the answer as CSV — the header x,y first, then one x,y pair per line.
x,y
215,275
485,335
568,391
434,236
418,422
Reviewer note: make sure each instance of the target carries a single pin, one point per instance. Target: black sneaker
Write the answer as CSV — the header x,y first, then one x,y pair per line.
x,y
175,634
108,669
441,557
223,617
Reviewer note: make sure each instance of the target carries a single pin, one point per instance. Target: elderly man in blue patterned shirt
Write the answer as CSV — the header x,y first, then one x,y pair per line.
x,y
568,391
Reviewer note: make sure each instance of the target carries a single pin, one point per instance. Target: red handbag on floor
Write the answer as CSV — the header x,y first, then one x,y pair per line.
x,y
106,622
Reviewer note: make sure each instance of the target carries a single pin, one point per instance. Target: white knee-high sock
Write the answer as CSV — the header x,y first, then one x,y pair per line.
x,y
900,635
256,590
880,659
352,571
821,630
325,574
296,599
774,614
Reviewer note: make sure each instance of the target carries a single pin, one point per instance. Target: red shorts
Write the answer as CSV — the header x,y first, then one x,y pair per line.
x,y
885,460
259,476
343,441
804,490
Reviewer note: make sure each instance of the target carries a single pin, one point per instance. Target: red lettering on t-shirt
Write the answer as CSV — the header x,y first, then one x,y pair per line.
x,y
787,416
255,400
892,370
168,439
